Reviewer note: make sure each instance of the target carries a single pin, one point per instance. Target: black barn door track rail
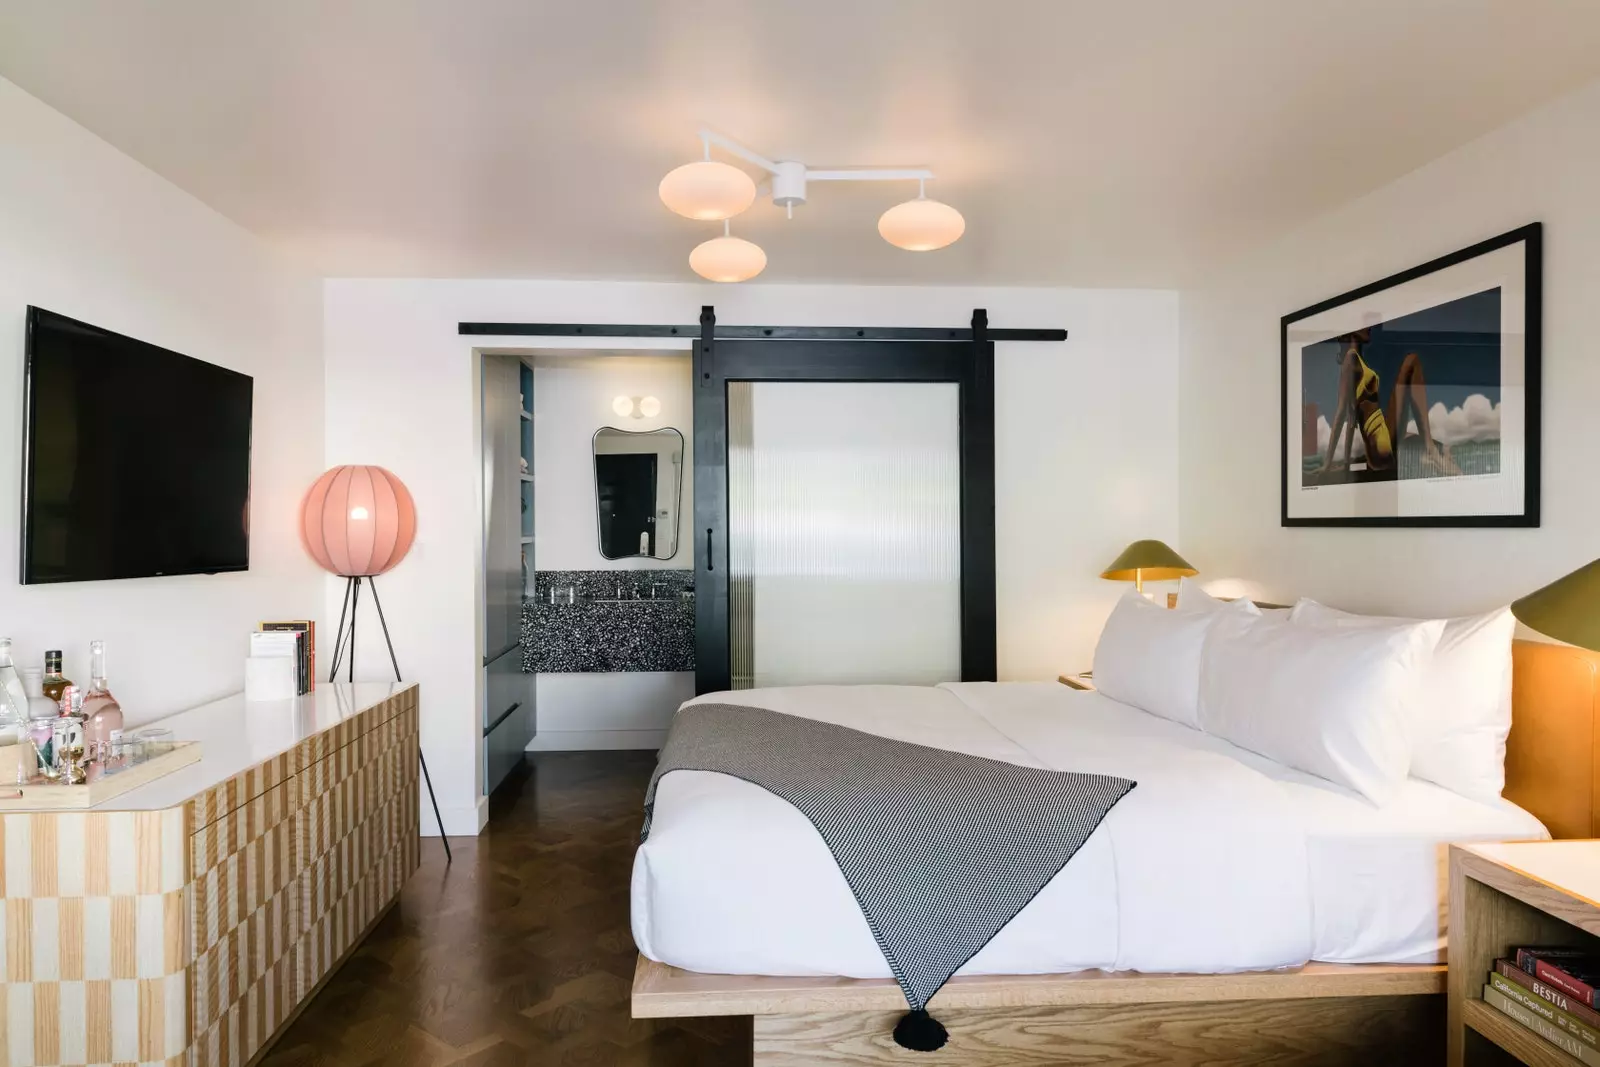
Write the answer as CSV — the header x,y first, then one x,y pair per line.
x,y
752,333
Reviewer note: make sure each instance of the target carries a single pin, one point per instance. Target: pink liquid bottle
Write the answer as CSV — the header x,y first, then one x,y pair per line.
x,y
102,714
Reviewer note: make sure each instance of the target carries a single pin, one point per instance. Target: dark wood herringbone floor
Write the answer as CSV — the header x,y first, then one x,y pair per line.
x,y
520,952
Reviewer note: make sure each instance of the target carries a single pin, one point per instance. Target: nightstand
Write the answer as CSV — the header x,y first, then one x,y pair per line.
x,y
1501,896
1084,681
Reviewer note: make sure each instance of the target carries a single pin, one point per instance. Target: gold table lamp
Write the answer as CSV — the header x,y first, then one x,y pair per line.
x,y
1568,609
1147,560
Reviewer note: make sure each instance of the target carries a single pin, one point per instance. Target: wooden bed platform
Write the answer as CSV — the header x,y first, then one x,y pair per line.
x,y
1318,1014
1321,1014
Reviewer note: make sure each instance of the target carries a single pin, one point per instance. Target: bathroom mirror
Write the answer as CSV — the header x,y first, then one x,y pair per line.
x,y
638,478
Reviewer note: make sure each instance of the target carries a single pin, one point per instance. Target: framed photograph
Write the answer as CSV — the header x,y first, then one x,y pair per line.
x,y
1414,401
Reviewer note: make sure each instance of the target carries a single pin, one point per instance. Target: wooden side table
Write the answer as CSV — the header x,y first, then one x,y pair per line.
x,y
1501,896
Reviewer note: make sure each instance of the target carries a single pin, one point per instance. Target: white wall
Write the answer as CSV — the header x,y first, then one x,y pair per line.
x,y
1540,168
572,398
87,232
1086,450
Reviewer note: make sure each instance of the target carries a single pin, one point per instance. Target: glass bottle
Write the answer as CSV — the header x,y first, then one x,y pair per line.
x,y
54,681
102,713
13,697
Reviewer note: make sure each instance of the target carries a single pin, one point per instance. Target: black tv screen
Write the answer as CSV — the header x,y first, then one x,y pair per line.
x,y
136,460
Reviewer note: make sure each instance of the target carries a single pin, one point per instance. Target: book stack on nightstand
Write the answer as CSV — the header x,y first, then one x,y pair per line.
x,y
1524,947
1551,992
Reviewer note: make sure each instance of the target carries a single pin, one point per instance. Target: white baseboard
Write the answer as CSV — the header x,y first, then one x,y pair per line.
x,y
590,740
458,821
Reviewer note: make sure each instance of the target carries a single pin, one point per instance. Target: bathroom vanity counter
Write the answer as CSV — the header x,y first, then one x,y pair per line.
x,y
591,628
186,920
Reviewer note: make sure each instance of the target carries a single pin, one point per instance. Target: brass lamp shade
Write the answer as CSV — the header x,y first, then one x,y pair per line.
x,y
1145,561
1568,609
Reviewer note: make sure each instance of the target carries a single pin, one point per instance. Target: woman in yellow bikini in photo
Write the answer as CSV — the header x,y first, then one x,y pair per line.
x,y
1381,429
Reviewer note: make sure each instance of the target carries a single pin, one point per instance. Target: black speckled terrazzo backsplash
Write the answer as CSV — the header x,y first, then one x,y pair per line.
x,y
652,629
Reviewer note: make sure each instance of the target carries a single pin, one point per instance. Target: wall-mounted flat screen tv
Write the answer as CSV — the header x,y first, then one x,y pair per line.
x,y
136,460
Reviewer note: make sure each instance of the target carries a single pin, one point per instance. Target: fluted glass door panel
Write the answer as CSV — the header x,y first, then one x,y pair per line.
x,y
844,532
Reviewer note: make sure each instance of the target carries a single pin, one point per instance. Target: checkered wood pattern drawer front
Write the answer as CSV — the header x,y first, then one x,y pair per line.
x,y
95,937
359,837
228,796
246,918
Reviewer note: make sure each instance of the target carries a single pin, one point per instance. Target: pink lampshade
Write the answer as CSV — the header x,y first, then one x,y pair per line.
x,y
358,520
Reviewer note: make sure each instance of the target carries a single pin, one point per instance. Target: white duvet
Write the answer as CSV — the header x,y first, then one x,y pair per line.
x,y
1218,861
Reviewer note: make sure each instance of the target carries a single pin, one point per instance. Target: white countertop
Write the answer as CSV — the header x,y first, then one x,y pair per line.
x,y
237,735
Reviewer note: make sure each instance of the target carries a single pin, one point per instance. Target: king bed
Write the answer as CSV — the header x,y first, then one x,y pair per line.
x,y
1229,907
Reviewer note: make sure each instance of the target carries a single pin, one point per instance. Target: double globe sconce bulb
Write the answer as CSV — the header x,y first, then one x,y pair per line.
x,y
713,191
636,407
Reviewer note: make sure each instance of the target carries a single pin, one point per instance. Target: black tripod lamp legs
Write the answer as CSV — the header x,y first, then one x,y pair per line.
x,y
344,643
443,837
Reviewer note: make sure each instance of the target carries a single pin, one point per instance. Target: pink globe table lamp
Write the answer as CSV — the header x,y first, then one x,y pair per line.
x,y
358,522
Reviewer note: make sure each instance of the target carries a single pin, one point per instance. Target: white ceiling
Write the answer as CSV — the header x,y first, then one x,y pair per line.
x,y
1115,142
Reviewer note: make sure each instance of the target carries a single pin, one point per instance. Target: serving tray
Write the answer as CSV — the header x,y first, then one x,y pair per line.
x,y
45,795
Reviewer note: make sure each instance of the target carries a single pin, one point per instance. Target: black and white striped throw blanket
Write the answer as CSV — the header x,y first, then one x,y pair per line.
x,y
941,849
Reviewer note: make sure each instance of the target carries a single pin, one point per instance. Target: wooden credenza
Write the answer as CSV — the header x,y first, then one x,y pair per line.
x,y
187,921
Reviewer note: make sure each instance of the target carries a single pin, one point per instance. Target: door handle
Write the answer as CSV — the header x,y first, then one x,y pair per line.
x,y
711,563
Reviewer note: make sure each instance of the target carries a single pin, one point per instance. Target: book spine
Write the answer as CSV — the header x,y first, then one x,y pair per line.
x,y
1586,1015
1547,1011
1531,1022
1576,988
311,643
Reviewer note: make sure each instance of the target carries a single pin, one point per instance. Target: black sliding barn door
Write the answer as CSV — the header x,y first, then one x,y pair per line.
x,y
721,364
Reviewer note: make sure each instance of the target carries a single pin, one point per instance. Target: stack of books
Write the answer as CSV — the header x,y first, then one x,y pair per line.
x,y
1552,992
296,639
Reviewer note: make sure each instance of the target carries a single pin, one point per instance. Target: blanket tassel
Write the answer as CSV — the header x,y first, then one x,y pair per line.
x,y
920,1032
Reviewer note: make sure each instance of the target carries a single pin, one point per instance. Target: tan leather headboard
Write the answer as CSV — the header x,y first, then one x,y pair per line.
x,y
1553,753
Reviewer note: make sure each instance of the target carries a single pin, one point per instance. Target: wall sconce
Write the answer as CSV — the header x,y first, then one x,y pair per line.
x,y
636,407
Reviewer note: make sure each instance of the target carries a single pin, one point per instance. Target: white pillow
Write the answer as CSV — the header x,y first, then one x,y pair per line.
x,y
1330,701
1463,709
1149,657
1192,597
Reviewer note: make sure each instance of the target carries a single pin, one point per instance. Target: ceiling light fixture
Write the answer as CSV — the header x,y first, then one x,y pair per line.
x,y
921,225
707,190
711,190
727,258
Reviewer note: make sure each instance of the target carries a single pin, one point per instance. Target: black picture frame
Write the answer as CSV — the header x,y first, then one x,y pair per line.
x,y
1531,237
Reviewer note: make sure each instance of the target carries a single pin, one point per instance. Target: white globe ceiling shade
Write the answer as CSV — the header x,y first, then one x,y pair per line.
x,y
921,225
707,190
727,259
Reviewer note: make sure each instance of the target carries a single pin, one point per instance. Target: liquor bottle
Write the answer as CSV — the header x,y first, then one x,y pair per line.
x,y
102,713
54,681
13,697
